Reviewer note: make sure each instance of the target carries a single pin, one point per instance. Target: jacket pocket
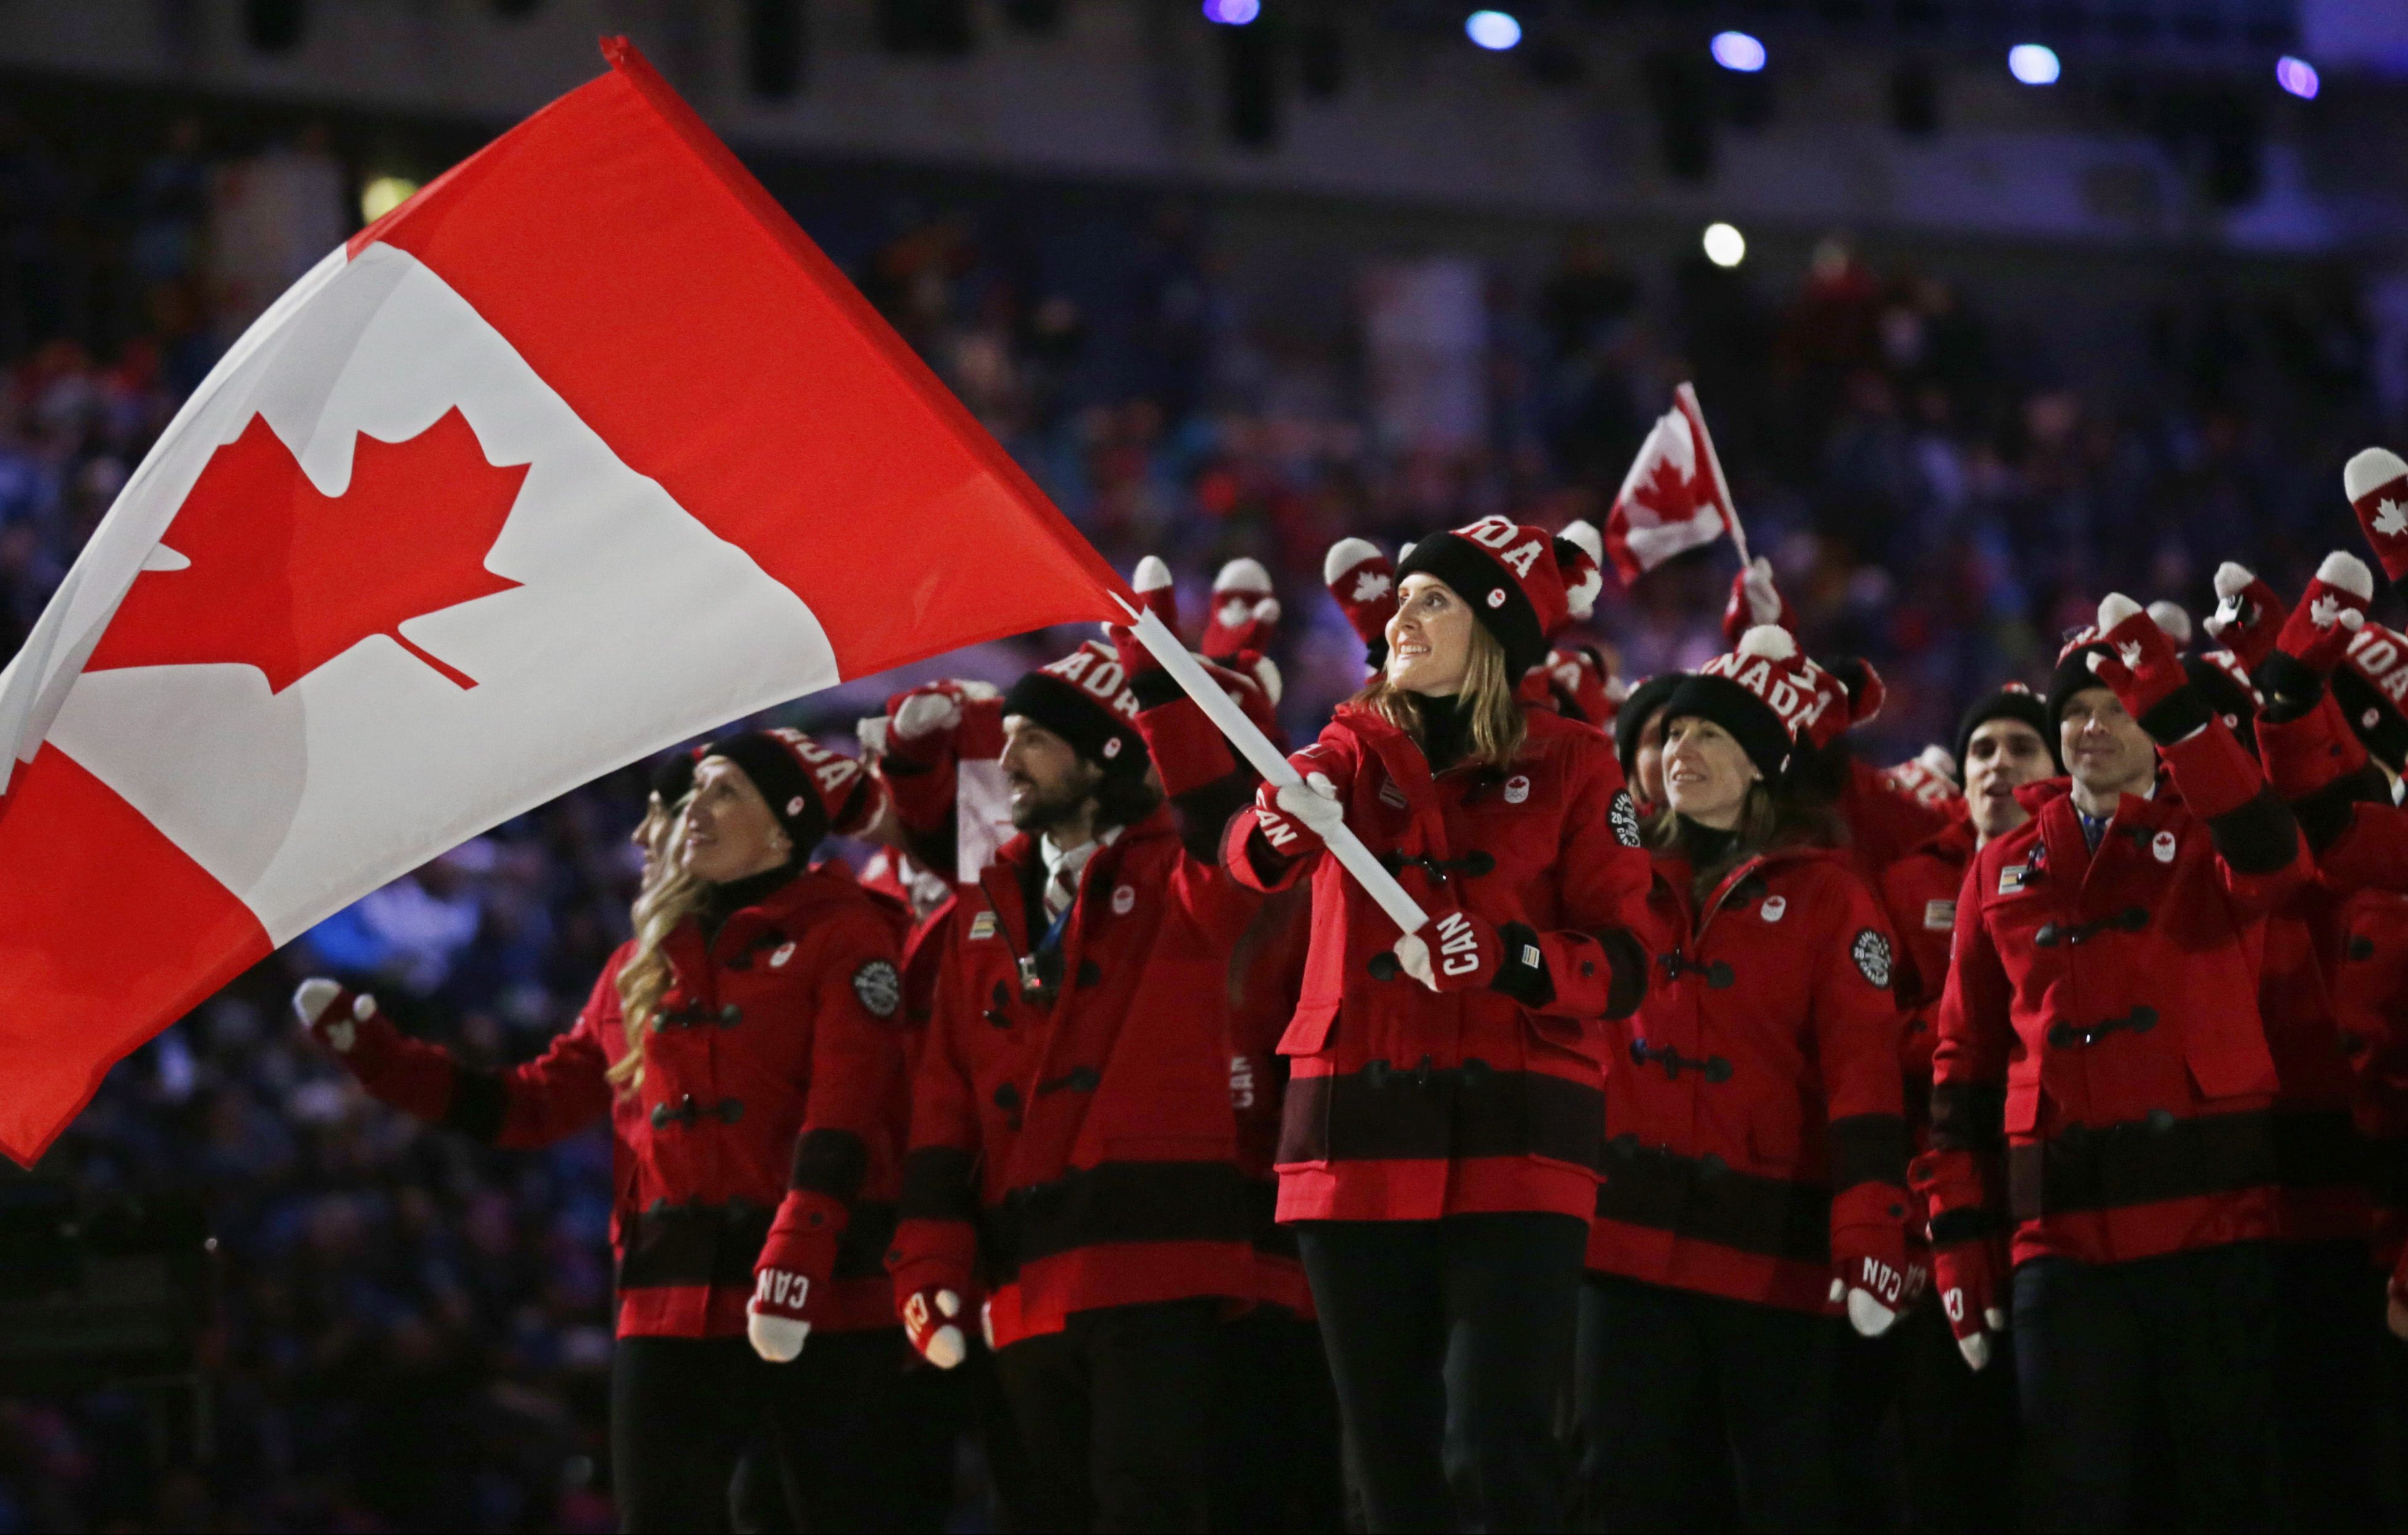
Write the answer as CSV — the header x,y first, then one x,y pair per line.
x,y
2229,1062
2023,1094
1776,1136
1308,1033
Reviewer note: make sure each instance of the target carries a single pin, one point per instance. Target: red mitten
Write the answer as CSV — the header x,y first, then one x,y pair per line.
x,y
1461,953
2248,615
1297,817
2376,483
794,1262
2330,612
930,1322
1154,592
1363,581
1754,600
1877,1285
1872,1271
1971,1277
1581,684
2145,673
922,723
415,1077
1243,609
1969,1262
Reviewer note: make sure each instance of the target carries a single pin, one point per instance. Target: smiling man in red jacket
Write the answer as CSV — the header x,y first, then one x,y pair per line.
x,y
2101,1020
1956,1426
1073,1147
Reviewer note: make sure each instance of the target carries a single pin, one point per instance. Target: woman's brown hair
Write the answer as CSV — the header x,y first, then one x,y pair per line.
x,y
1769,820
1493,725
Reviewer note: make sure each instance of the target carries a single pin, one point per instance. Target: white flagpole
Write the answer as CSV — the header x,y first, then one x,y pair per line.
x,y
1688,397
1271,762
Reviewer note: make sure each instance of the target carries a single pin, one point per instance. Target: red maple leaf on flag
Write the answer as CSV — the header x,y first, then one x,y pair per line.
x,y
282,577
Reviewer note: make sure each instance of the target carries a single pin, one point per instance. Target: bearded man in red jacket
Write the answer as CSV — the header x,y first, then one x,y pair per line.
x,y
1073,1183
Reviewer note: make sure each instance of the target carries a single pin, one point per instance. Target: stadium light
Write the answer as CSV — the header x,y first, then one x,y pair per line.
x,y
1232,13
1724,246
2034,64
1492,30
383,194
2298,77
1738,51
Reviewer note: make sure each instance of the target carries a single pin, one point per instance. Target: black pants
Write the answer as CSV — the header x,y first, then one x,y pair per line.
x,y
1115,1414
1956,1430
850,1453
2100,1347
1276,1462
1393,1294
1649,1355
2328,1348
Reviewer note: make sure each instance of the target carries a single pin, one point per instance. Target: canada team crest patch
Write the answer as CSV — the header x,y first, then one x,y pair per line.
x,y
879,987
1870,951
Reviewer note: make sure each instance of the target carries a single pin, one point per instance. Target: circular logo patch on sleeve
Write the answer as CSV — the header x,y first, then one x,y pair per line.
x,y
1624,815
1870,951
879,986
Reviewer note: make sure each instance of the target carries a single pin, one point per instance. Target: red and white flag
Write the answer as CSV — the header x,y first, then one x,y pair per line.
x,y
1674,497
582,451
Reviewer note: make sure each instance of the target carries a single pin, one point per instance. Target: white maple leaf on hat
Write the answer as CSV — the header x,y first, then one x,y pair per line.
x,y
1371,585
2324,611
2390,519
2130,651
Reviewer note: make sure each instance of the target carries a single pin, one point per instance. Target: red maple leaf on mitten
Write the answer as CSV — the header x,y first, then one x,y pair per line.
x,y
1363,581
2248,615
1243,610
2146,675
2376,483
2330,612
1754,600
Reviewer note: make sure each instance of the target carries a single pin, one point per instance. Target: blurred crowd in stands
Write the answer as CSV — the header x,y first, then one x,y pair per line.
x,y
412,1332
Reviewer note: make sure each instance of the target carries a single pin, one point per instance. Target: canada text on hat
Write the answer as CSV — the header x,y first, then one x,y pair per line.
x,y
833,771
1096,672
1769,665
2381,656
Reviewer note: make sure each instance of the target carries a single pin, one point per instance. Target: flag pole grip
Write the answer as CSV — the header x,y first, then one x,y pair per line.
x,y
1269,761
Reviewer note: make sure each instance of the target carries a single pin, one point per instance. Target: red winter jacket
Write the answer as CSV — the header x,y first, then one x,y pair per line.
x,y
1884,822
1079,1149
2102,1010
1754,1108
2371,1002
2328,1016
1918,894
1408,1104
1266,976
777,1061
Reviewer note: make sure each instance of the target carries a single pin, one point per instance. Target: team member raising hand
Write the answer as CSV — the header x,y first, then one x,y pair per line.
x,y
1439,1151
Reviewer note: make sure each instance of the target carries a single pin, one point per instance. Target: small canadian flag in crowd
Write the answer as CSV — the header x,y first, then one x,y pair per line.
x,y
1674,498
582,451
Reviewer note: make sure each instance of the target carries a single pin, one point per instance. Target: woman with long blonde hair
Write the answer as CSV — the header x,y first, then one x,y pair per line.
x,y
1440,1139
746,1045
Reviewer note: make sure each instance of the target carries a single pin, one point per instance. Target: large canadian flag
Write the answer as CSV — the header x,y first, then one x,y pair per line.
x,y
582,451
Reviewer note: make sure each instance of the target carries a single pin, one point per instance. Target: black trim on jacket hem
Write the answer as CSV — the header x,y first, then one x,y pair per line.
x,y
719,1244
1704,1199
1116,1202
2145,1161
1385,1113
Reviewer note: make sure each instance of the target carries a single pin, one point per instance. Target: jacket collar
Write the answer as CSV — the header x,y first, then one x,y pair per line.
x,y
1674,868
